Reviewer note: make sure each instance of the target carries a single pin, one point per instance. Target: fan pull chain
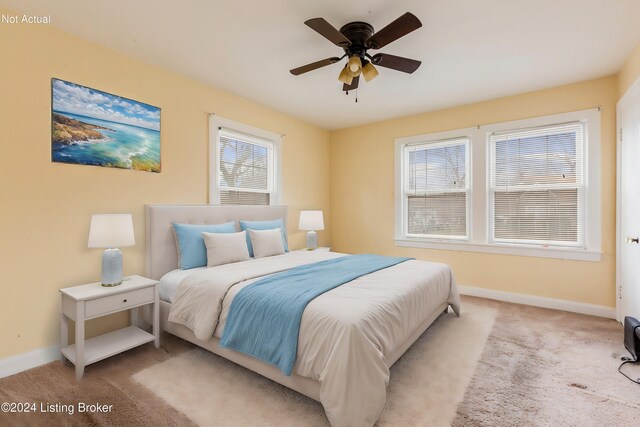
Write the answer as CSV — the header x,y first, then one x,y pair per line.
x,y
346,92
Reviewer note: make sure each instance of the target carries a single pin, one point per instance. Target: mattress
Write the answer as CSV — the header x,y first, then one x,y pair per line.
x,y
169,282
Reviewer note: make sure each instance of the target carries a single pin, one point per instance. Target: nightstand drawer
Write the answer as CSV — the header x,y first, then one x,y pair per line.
x,y
118,302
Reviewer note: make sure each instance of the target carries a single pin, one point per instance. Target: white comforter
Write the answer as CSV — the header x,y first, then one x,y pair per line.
x,y
346,334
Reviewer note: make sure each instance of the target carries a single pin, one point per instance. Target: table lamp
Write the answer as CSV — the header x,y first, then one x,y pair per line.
x,y
110,231
311,221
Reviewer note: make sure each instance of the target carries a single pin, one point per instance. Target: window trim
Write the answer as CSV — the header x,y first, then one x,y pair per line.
x,y
479,185
273,139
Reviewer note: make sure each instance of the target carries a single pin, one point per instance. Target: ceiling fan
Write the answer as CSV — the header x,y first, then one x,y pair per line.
x,y
355,38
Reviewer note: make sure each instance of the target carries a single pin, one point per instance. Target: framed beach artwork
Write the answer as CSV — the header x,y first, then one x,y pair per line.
x,y
91,127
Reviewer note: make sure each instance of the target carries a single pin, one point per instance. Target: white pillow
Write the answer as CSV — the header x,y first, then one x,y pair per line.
x,y
266,242
225,248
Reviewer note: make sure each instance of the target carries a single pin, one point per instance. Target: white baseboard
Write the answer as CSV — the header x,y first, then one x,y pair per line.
x,y
22,362
556,304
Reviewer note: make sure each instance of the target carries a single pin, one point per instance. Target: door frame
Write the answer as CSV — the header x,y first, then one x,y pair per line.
x,y
635,87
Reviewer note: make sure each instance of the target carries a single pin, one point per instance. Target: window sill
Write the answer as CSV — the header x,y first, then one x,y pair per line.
x,y
520,250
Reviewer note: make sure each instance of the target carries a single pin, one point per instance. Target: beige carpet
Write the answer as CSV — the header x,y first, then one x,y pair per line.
x,y
214,392
537,368
106,382
551,368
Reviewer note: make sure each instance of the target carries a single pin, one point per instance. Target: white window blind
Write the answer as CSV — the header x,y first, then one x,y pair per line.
x,y
435,189
246,169
537,186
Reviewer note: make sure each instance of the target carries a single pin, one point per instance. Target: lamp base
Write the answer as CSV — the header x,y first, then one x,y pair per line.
x,y
111,267
312,240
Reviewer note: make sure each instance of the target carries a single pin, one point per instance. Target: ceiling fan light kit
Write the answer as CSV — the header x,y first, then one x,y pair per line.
x,y
345,76
355,38
355,65
369,72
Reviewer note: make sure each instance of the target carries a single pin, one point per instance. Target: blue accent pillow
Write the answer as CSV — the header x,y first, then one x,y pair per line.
x,y
264,225
191,249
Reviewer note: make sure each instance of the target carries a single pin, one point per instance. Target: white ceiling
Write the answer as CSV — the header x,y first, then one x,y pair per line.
x,y
470,50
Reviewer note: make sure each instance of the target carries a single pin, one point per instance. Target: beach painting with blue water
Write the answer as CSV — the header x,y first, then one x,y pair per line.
x,y
91,127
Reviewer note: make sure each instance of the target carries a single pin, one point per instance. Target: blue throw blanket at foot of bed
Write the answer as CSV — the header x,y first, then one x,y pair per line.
x,y
264,318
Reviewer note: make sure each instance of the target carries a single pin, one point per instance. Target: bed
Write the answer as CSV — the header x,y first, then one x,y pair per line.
x,y
349,336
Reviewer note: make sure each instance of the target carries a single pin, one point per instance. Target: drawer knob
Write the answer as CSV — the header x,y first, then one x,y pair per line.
x,y
124,301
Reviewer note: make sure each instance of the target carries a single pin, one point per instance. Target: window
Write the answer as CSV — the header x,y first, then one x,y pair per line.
x,y
537,186
244,164
529,187
435,189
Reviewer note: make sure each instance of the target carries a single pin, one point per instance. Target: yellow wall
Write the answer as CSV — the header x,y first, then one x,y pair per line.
x,y
45,207
362,195
630,72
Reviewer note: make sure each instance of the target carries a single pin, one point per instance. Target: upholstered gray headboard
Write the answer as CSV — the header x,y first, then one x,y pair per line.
x,y
162,253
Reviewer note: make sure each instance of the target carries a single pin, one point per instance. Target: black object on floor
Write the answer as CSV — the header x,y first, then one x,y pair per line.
x,y
631,343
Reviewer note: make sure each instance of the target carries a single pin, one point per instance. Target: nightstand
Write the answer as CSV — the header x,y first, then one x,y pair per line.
x,y
318,249
85,302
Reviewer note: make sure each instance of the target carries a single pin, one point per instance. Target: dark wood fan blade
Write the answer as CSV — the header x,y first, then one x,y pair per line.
x,y
398,63
328,31
352,86
392,32
314,66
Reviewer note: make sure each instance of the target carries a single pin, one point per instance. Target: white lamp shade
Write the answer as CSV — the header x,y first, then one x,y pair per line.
x,y
311,220
111,231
